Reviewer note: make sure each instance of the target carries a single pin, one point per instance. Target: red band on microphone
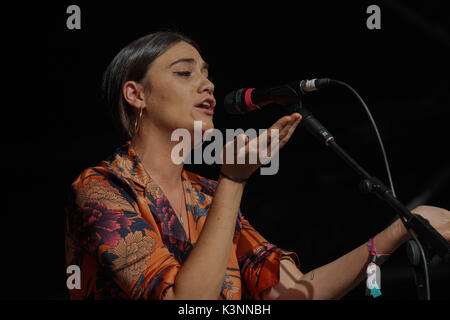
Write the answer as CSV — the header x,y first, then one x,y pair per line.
x,y
248,99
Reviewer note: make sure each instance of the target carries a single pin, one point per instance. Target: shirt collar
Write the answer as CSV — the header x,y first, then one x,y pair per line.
x,y
127,164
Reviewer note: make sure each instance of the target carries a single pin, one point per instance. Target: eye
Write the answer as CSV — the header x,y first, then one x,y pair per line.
x,y
184,73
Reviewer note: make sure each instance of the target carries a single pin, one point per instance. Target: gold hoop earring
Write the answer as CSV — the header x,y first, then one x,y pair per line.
x,y
137,121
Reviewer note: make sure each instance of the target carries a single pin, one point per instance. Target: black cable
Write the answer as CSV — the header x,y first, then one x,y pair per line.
x,y
386,163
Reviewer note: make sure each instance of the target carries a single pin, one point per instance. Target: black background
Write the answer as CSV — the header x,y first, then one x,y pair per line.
x,y
55,126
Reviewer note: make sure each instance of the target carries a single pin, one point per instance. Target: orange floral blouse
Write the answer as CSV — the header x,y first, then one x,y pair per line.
x,y
129,244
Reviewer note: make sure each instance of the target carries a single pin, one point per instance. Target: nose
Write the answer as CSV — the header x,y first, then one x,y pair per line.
x,y
207,86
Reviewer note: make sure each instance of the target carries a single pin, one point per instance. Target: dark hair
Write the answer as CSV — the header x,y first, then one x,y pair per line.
x,y
132,64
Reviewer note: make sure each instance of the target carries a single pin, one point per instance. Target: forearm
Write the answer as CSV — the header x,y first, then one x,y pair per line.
x,y
334,280
201,276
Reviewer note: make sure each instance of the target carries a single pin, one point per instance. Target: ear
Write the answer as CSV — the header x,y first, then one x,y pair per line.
x,y
133,93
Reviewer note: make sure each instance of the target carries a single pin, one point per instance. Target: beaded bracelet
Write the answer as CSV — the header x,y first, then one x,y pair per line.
x,y
373,282
232,178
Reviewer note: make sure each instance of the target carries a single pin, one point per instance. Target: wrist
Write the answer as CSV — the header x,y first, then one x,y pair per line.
x,y
232,184
235,173
233,178
400,232
391,238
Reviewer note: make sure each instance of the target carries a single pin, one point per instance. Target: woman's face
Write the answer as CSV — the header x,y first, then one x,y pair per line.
x,y
180,90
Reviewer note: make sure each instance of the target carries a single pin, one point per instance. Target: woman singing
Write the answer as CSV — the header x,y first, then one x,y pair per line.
x,y
142,227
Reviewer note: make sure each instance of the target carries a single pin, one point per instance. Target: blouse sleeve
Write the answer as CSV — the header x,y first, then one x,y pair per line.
x,y
108,224
259,261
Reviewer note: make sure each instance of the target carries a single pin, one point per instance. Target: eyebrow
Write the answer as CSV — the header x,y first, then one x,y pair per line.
x,y
189,60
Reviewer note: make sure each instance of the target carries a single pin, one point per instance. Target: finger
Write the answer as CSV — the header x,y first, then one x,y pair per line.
x,y
241,147
297,116
253,148
247,149
282,122
290,132
292,119
284,125
276,133
284,132
231,150
268,146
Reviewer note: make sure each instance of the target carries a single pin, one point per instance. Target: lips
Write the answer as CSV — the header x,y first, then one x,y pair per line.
x,y
207,105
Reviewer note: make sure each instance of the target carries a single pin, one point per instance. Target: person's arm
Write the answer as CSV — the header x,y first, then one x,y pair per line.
x,y
334,280
202,274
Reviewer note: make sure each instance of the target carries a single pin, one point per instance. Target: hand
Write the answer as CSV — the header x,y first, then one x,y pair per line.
x,y
266,143
438,218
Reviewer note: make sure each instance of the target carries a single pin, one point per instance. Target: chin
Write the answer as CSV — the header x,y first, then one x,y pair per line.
x,y
206,125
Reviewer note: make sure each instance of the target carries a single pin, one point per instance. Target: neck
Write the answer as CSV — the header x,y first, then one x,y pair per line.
x,y
154,148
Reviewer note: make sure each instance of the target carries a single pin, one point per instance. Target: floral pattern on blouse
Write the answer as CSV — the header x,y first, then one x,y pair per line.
x,y
124,235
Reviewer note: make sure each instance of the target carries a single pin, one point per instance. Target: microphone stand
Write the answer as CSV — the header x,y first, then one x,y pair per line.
x,y
413,252
433,241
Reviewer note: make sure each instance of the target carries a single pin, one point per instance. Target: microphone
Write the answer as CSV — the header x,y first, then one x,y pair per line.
x,y
244,100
